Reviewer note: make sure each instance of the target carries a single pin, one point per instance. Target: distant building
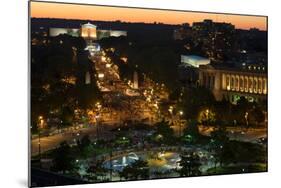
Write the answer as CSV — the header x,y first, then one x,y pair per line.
x,y
182,33
110,33
88,31
232,83
117,33
209,25
103,34
215,39
59,31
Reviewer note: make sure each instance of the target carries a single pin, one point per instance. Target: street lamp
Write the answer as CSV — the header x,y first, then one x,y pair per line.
x,y
98,106
181,114
246,118
97,130
207,116
170,109
40,125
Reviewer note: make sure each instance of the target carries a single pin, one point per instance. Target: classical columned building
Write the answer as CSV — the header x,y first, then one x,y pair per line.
x,y
89,31
247,83
231,84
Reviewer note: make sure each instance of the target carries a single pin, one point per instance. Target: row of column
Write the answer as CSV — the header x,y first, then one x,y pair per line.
x,y
248,84
208,80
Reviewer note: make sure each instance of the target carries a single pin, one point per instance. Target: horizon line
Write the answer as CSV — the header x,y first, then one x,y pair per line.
x,y
155,22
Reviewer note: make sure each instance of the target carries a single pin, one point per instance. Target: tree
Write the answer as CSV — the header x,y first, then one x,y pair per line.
x,y
194,99
164,132
207,117
85,141
219,135
156,59
52,67
67,116
63,160
190,164
34,128
137,169
84,145
219,140
256,115
239,110
87,95
97,170
191,133
223,112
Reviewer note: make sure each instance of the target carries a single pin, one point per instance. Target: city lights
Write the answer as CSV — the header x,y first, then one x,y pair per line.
x,y
103,59
100,75
112,107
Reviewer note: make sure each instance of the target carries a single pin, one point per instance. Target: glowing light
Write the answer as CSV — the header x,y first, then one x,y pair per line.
x,y
103,59
100,75
181,113
124,59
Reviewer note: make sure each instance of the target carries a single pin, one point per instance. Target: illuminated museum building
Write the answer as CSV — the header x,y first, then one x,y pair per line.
x,y
87,31
232,83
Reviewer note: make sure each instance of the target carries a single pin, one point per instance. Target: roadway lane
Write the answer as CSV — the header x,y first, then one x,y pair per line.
x,y
51,142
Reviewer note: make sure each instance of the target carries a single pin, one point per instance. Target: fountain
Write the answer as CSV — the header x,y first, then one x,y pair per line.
x,y
133,155
119,163
124,161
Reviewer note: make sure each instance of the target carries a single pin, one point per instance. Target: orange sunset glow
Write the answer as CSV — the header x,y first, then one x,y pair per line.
x,y
103,13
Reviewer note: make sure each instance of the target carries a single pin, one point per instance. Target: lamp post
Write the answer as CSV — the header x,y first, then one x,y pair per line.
x,y
40,124
207,116
171,112
181,114
246,118
98,106
97,130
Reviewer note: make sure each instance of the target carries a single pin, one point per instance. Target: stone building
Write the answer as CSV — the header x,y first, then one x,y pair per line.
x,y
231,83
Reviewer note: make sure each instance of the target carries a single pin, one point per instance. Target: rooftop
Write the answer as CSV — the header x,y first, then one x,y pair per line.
x,y
89,25
194,61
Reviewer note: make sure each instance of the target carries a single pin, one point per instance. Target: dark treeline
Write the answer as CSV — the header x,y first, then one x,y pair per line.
x,y
157,59
58,86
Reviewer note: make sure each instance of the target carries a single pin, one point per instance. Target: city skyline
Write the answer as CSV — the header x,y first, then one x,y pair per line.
x,y
100,13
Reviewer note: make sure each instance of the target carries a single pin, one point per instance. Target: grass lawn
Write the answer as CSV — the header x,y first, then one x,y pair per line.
x,y
261,167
